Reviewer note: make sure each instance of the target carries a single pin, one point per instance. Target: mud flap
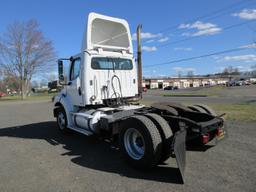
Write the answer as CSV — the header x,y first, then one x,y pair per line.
x,y
179,149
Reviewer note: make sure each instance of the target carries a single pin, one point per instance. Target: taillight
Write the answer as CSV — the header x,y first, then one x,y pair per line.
x,y
219,132
205,138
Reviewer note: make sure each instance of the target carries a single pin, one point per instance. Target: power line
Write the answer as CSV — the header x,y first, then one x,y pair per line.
x,y
198,57
219,15
208,16
195,37
211,15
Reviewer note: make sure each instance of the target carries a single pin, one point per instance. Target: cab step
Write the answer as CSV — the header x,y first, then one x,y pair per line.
x,y
80,130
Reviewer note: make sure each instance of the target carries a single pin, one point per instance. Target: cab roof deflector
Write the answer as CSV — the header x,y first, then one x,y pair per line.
x,y
108,33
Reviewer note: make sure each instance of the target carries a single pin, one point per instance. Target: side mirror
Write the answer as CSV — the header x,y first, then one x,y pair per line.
x,y
61,72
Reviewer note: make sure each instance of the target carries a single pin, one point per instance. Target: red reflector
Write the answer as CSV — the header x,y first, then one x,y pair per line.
x,y
205,138
219,132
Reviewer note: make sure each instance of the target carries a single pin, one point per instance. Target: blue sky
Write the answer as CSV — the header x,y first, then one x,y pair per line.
x,y
63,22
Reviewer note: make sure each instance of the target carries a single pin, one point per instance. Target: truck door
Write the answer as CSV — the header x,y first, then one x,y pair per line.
x,y
74,89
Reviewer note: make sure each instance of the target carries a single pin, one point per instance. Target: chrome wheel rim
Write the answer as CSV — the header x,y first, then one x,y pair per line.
x,y
61,120
134,143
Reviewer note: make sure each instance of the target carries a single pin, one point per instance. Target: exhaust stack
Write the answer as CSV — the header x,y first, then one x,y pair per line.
x,y
139,60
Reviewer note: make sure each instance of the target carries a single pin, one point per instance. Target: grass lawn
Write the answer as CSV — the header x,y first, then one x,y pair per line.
x,y
187,95
214,91
239,112
36,97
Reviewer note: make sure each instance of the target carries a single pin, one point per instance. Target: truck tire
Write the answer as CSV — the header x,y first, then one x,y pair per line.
x,y
177,106
61,119
207,109
197,109
165,133
168,109
140,142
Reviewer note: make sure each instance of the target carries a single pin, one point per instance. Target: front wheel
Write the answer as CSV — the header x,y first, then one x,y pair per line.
x,y
61,119
140,142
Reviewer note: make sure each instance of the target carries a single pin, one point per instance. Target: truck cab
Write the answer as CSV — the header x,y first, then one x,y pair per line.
x,y
105,68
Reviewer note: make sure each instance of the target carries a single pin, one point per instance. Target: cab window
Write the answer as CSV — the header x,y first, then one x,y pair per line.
x,y
104,63
75,69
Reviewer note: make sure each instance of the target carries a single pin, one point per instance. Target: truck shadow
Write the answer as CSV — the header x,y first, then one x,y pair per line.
x,y
90,152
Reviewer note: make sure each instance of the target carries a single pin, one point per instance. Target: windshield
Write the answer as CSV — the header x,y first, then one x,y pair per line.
x,y
104,63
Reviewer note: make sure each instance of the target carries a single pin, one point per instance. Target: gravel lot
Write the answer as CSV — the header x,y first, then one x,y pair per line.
x,y
35,156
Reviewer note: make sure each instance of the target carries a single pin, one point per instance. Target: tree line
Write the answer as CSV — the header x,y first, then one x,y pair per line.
x,y
24,53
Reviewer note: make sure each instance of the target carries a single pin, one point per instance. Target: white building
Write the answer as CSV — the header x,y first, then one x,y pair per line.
x,y
183,82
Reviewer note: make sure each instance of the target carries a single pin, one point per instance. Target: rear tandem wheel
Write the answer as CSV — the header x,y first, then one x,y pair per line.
x,y
140,142
165,132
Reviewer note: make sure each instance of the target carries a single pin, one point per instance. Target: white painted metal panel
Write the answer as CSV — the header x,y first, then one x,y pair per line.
x,y
106,32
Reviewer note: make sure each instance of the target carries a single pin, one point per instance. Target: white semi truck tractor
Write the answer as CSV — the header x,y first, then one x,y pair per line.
x,y
100,87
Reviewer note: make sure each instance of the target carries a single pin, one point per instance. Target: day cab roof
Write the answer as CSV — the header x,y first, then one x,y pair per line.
x,y
107,33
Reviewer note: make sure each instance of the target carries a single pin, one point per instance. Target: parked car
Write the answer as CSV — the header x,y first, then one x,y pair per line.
x,y
247,82
231,83
2,94
171,88
239,83
168,88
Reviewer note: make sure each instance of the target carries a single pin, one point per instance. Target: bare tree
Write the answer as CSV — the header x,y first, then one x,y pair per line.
x,y
52,77
253,72
225,71
230,70
11,82
24,52
190,73
179,73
